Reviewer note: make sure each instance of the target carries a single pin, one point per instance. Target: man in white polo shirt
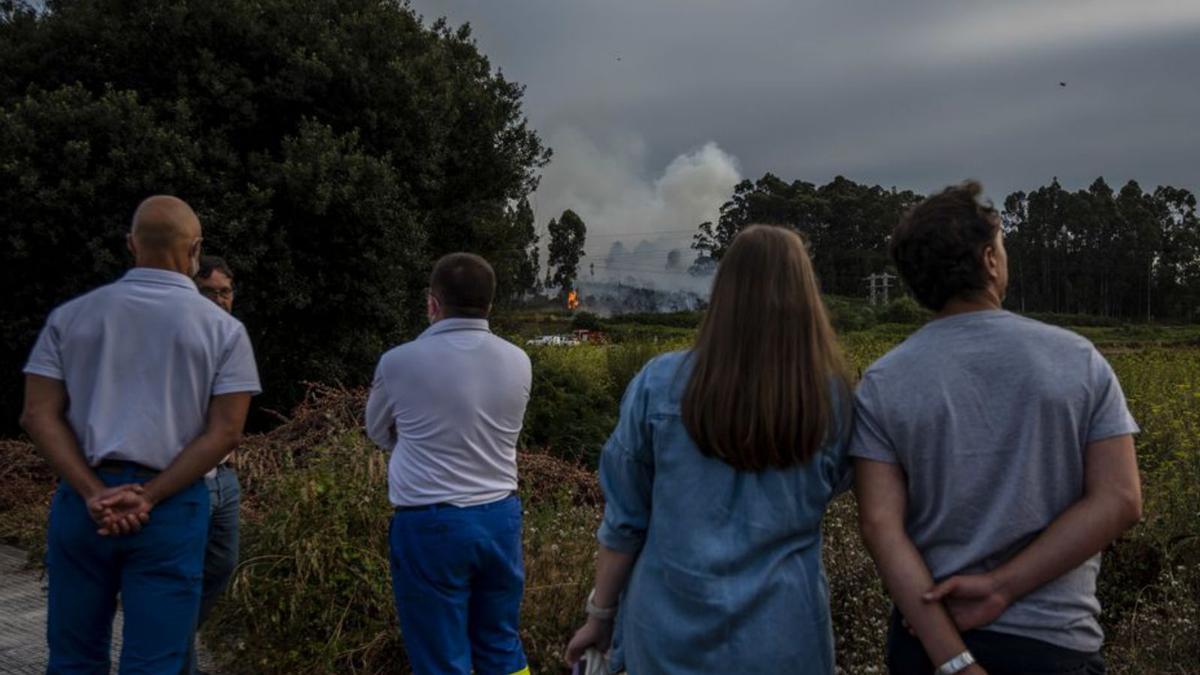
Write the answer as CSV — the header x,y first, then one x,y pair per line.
x,y
449,406
133,391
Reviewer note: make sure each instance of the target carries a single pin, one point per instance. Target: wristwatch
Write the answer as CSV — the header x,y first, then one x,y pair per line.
x,y
957,664
602,613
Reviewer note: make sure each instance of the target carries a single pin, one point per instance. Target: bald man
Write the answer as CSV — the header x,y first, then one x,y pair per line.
x,y
159,381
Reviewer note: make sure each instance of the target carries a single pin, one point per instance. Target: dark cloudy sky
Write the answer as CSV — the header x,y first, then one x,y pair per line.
x,y
654,107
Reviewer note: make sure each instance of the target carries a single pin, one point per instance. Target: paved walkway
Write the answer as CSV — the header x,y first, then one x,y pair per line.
x,y
23,618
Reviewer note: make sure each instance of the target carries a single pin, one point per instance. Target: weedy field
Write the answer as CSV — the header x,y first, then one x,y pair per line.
x,y
312,593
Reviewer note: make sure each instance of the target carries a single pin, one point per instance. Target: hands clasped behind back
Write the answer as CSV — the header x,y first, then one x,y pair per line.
x,y
120,510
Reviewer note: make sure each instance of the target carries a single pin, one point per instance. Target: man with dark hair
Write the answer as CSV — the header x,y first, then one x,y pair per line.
x,y
995,457
449,406
132,392
215,281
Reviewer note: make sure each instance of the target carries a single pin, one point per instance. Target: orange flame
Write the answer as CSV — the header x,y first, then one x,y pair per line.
x,y
572,300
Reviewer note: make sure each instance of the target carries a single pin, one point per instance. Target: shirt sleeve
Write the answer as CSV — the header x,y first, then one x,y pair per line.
x,y
870,439
627,473
237,372
1110,414
380,424
46,357
839,465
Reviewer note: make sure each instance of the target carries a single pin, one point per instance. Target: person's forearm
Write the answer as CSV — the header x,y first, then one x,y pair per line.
x,y
59,446
196,459
1076,535
906,578
612,573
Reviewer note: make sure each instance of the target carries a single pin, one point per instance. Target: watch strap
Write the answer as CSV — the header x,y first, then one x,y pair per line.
x,y
957,664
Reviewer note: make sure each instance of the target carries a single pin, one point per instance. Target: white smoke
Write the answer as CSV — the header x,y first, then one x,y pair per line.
x,y
639,228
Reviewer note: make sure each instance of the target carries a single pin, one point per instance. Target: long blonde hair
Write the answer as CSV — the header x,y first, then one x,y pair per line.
x,y
766,361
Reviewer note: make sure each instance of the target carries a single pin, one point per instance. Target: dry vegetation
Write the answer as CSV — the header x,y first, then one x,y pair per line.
x,y
313,594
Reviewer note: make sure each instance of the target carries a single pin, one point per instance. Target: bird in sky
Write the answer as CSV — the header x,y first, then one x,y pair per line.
x,y
1062,84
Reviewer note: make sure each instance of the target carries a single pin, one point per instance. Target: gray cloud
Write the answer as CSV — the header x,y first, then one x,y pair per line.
x,y
915,95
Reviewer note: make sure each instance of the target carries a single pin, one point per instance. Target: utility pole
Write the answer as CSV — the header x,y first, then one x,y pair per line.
x,y
1149,281
880,284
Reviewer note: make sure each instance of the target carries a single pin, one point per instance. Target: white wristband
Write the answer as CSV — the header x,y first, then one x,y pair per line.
x,y
957,664
602,613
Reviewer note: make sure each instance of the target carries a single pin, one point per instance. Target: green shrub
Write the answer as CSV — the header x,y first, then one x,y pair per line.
x,y
571,407
848,314
681,319
625,360
645,332
586,321
903,310
312,593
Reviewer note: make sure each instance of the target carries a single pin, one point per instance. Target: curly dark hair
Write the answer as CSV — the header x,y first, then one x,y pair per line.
x,y
938,245
210,264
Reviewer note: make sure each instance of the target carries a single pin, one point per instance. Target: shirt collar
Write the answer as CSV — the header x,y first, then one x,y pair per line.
x,y
153,275
456,324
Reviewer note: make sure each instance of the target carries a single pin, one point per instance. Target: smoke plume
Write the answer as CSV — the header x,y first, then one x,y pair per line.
x,y
639,224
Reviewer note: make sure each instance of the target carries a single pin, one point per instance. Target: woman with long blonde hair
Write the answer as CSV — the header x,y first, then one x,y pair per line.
x,y
716,480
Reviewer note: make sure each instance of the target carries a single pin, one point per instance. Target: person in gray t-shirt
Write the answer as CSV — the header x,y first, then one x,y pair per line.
x,y
994,456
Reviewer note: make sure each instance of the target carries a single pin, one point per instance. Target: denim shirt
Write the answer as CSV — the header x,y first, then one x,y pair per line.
x,y
728,576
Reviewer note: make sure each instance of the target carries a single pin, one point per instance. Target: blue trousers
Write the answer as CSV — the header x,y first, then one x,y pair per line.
x,y
156,572
458,577
221,551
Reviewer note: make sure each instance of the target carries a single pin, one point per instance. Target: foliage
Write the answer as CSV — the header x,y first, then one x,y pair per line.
x,y
849,314
1126,254
846,224
673,319
332,151
293,582
313,592
25,500
586,321
903,310
1130,254
624,361
526,266
1151,581
571,406
567,237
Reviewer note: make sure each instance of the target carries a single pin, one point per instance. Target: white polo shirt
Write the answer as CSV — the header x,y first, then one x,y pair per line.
x,y
449,405
140,359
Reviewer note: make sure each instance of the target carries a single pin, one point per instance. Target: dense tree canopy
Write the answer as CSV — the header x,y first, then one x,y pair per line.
x,y
1132,254
568,234
1129,255
846,224
332,151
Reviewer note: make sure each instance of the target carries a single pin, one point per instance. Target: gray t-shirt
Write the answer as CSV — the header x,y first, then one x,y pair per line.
x,y
989,414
